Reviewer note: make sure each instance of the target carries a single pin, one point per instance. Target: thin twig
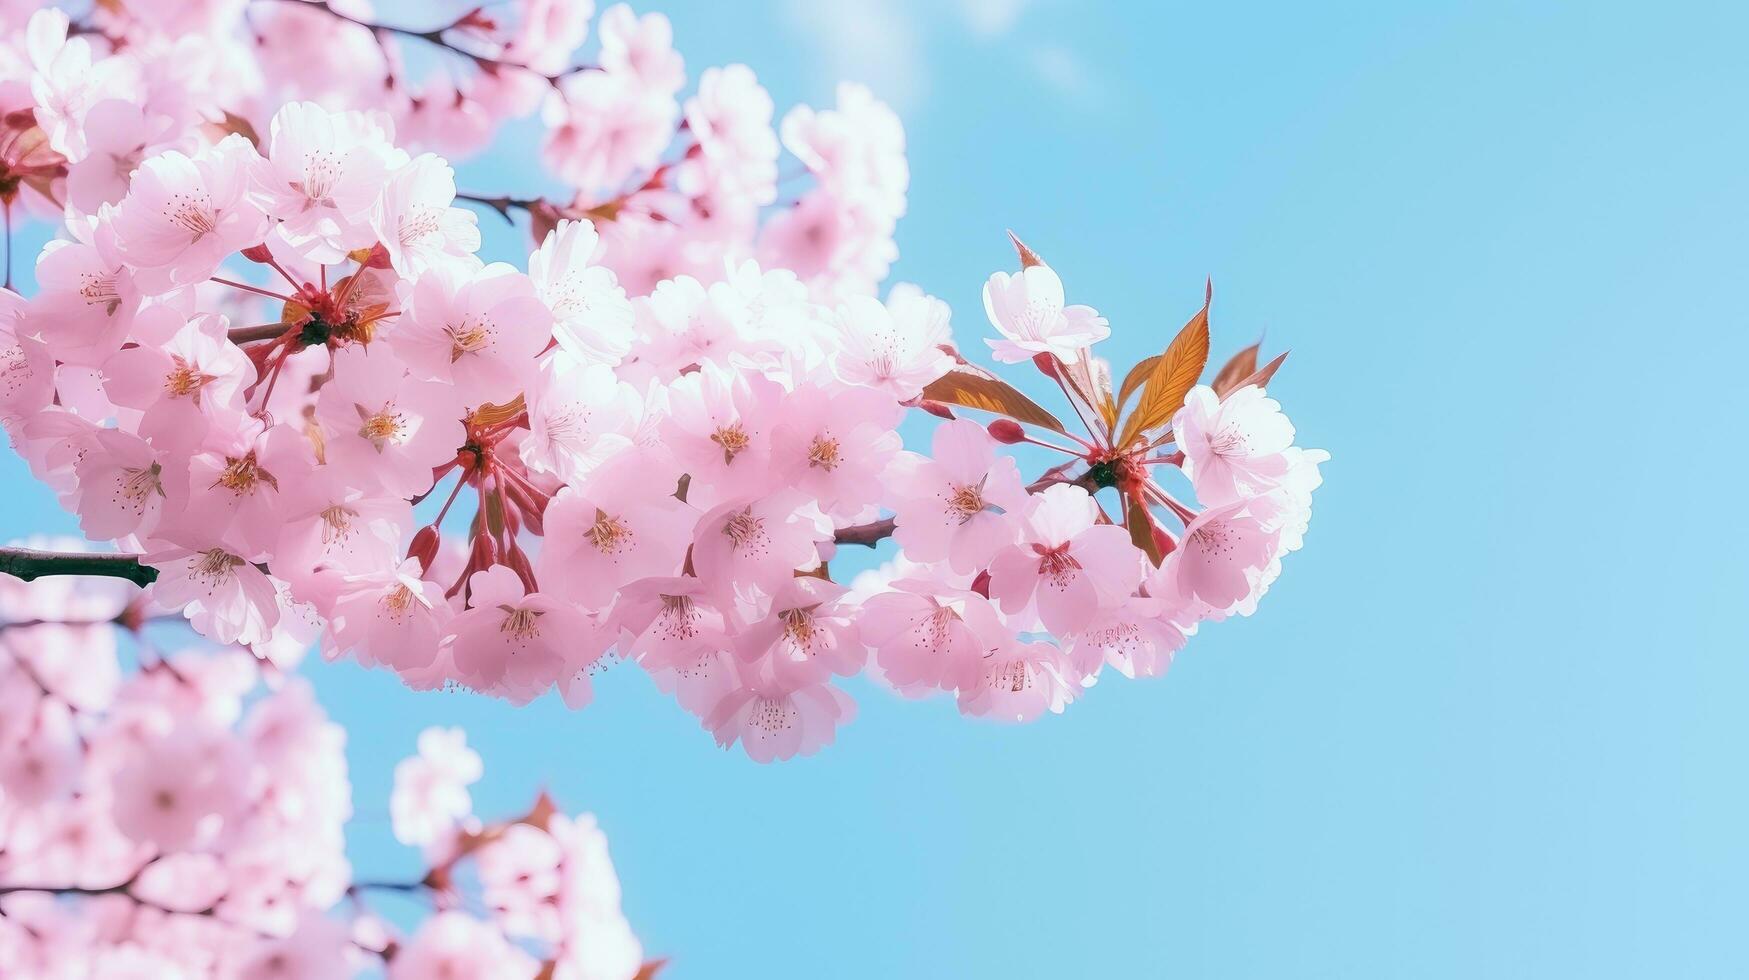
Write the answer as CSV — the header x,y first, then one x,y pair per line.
x,y
435,36
503,204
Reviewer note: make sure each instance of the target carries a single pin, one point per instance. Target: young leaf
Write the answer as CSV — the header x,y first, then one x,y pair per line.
x,y
1101,371
1078,383
1141,525
1261,376
1171,378
234,123
1134,379
972,387
1081,380
1233,373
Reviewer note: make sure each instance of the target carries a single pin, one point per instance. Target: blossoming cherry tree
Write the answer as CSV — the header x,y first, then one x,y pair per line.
x,y
266,358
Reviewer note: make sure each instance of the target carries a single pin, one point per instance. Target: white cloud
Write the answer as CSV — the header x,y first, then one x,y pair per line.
x,y
991,18
876,42
882,43
1063,70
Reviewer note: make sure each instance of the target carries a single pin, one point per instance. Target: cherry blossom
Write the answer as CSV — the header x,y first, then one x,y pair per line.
x,y
773,726
519,643
118,135
580,417
321,174
593,318
190,820
183,215
268,357
929,637
395,618
1020,682
431,789
87,299
478,330
896,347
383,428
415,221
1233,447
1222,551
957,505
1027,309
1065,562
610,532
186,381
753,545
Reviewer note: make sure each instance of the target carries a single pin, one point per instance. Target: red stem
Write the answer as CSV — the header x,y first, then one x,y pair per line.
x,y
252,289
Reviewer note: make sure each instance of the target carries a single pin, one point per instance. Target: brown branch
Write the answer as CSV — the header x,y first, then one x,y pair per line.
x,y
266,331
30,564
125,890
435,36
502,204
868,535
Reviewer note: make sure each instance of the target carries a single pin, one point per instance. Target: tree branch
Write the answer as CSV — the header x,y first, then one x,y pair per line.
x,y
436,37
266,331
30,564
868,535
503,204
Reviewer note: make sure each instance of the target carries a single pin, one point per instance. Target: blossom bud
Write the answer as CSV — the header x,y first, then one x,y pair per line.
x,y
1028,258
519,564
424,546
1007,431
936,409
483,554
528,507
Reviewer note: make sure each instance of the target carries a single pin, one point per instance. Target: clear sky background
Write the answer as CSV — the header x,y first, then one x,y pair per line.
x,y
1490,722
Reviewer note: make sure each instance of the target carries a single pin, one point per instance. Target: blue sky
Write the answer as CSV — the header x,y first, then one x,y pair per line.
x,y
1490,722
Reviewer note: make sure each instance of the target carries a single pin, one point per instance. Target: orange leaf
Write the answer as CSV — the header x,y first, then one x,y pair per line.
x,y
973,387
650,968
1134,379
1171,378
490,415
1233,373
293,312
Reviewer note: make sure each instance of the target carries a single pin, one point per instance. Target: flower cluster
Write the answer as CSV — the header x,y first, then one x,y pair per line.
x,y
679,185
179,819
275,366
